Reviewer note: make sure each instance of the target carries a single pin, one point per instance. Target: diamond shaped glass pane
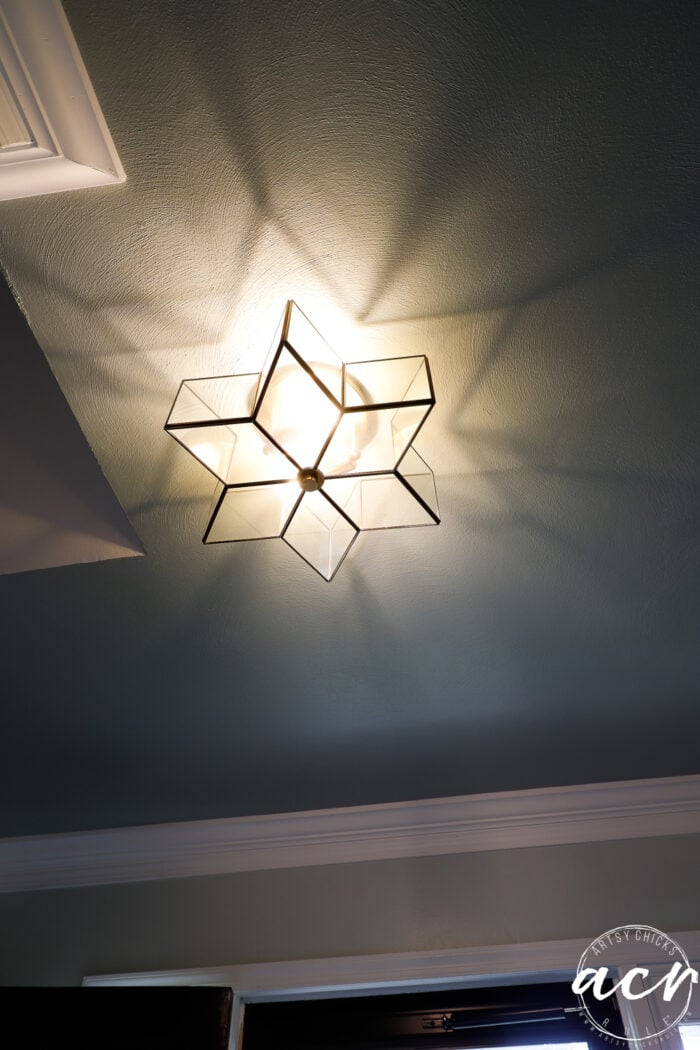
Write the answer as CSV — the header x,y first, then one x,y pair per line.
x,y
416,473
308,346
385,405
253,513
295,411
211,399
378,501
275,346
320,533
313,349
238,453
388,382
372,439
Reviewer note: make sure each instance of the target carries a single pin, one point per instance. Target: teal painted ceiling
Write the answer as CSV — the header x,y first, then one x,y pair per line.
x,y
509,188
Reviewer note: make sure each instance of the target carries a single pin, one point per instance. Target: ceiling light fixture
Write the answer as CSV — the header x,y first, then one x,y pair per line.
x,y
311,449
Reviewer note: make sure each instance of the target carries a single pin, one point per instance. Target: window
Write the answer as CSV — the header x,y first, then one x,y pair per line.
x,y
690,1036
533,1016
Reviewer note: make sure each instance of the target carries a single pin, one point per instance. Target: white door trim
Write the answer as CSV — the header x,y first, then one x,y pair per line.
x,y
374,974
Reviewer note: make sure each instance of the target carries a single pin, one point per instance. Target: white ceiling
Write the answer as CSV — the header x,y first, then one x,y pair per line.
x,y
507,188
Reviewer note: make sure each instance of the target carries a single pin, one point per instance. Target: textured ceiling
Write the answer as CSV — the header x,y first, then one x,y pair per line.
x,y
506,187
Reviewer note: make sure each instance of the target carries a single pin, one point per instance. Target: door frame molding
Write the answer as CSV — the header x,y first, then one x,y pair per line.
x,y
380,974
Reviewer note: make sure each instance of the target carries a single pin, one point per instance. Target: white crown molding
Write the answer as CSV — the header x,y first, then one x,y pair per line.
x,y
49,102
429,827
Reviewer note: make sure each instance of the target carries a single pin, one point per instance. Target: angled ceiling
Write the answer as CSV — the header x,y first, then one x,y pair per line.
x,y
508,188
55,506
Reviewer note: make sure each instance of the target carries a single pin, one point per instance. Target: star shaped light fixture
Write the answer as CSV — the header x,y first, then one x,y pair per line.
x,y
311,449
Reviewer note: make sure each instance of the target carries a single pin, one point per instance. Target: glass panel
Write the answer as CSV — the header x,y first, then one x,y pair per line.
x,y
313,349
212,446
217,397
372,439
275,345
255,513
237,454
388,382
421,479
320,534
380,501
296,412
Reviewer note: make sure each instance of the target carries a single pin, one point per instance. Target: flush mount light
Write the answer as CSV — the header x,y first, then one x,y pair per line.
x,y
311,449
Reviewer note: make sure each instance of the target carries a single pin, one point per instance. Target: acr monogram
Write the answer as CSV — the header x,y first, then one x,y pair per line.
x,y
666,982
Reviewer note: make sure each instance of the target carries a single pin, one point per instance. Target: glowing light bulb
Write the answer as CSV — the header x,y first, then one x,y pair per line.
x,y
303,417
215,456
